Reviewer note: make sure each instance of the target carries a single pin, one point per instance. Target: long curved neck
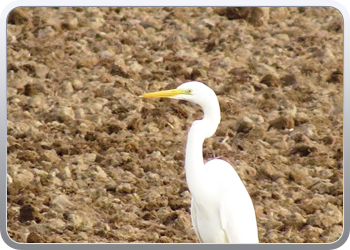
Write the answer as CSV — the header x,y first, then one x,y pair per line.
x,y
194,163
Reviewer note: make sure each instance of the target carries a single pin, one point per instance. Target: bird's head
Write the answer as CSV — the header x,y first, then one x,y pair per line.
x,y
198,93
195,92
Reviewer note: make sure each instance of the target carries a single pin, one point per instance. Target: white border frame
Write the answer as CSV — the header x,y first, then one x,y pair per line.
x,y
3,126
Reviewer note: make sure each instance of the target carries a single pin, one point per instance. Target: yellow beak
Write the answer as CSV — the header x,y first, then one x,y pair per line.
x,y
165,93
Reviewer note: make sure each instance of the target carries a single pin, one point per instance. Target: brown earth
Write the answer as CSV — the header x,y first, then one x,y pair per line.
x,y
89,161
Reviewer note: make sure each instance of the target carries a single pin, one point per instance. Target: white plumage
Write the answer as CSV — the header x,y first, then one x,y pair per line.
x,y
221,208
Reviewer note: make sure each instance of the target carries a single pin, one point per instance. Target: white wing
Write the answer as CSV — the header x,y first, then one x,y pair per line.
x,y
236,209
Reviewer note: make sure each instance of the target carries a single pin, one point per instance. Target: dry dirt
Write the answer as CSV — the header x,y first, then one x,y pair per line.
x,y
90,161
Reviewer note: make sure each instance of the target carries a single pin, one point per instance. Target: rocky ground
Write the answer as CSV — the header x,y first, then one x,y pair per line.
x,y
90,161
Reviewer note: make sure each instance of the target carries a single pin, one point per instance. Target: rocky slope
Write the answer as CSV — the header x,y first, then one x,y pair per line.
x,y
89,161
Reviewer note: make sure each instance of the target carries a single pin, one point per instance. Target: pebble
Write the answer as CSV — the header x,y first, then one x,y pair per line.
x,y
46,32
77,84
62,201
65,114
98,172
9,179
50,156
57,223
41,70
264,69
25,177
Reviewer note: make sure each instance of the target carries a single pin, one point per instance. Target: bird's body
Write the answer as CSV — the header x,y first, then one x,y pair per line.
x,y
225,219
221,208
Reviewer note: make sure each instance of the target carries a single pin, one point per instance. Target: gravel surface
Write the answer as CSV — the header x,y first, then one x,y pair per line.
x,y
90,161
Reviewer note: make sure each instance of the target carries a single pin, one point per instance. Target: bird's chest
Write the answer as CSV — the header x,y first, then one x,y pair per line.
x,y
207,223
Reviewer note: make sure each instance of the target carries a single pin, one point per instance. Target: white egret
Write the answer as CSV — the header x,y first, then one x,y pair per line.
x,y
221,208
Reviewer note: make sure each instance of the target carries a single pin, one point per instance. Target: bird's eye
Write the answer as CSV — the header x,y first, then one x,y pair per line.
x,y
189,91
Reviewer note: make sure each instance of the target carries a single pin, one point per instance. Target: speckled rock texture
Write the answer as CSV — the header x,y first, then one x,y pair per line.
x,y
90,161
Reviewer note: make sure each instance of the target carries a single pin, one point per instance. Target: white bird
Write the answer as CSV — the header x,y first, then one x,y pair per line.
x,y
221,208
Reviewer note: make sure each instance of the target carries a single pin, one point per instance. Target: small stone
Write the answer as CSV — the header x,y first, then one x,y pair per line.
x,y
18,16
264,69
46,32
240,75
173,42
303,150
333,234
270,80
336,77
288,80
67,88
89,158
295,220
41,70
62,201
57,223
36,102
11,92
78,220
28,155
256,16
125,188
118,70
26,213
24,178
79,113
281,123
65,114
208,23
65,173
311,231
328,140
33,89
244,126
136,67
99,172
50,156
332,215
34,238
77,84
9,179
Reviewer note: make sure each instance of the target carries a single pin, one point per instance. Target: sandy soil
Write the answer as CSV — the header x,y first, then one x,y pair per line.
x,y
90,161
